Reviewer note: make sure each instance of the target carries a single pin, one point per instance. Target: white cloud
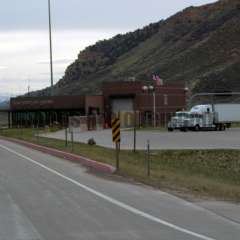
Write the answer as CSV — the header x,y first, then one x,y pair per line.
x,y
3,67
22,51
25,56
56,61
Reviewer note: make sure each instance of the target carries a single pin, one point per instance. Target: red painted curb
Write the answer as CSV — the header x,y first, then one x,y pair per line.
x,y
102,167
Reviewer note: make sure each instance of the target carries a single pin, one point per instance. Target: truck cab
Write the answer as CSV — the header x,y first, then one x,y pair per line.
x,y
218,116
199,117
202,108
178,121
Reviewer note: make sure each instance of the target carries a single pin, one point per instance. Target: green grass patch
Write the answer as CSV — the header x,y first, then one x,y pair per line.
x,y
235,125
210,173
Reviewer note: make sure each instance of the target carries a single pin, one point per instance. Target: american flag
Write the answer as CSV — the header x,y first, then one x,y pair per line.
x,y
157,80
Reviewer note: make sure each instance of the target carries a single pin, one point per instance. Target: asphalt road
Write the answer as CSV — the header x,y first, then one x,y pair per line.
x,y
228,139
46,198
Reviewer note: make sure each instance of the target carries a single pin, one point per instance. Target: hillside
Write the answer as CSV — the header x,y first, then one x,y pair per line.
x,y
200,45
4,102
4,105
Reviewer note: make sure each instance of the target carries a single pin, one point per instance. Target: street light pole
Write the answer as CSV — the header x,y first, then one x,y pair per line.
x,y
50,44
151,89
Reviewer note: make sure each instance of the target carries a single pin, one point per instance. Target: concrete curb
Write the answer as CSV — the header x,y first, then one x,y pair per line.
x,y
101,167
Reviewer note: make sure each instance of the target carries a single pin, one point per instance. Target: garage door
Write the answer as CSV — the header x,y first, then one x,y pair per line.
x,y
122,105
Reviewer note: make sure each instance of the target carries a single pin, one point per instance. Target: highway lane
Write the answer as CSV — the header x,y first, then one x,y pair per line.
x,y
46,198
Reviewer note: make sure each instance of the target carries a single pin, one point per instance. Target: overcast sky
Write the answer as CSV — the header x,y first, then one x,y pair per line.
x,y
76,24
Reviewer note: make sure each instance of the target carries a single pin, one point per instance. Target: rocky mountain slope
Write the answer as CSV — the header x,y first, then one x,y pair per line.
x,y
200,45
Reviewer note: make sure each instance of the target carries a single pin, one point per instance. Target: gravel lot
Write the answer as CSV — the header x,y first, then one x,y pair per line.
x,y
230,139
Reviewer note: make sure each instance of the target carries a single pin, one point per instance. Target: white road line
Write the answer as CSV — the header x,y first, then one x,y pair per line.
x,y
112,200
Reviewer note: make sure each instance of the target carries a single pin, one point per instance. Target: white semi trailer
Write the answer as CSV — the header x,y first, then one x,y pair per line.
x,y
206,117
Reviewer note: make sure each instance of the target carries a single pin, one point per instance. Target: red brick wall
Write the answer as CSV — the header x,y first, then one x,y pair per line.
x,y
144,101
95,102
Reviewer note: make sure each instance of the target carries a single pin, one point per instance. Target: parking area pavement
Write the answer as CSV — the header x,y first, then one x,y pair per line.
x,y
229,139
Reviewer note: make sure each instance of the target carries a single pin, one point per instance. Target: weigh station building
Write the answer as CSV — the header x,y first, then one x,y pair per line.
x,y
135,101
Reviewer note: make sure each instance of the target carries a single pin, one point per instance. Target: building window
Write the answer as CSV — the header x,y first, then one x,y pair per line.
x,y
165,99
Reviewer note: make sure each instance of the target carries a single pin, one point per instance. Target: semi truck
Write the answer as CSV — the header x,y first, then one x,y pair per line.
x,y
206,117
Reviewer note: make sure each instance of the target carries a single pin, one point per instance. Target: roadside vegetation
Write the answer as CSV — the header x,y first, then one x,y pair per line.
x,y
235,125
202,173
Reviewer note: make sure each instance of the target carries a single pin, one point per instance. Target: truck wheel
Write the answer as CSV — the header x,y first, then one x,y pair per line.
x,y
197,128
229,125
183,129
170,129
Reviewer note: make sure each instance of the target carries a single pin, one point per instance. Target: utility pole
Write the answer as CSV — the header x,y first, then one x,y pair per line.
x,y
28,90
50,44
28,87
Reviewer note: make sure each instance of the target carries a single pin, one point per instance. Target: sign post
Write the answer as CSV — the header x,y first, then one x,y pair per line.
x,y
116,134
66,137
135,132
72,140
148,159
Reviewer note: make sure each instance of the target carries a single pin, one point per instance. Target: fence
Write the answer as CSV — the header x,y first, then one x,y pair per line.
x,y
162,119
128,120
86,123
144,119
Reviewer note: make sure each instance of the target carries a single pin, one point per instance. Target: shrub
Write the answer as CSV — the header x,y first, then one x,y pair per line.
x,y
91,141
